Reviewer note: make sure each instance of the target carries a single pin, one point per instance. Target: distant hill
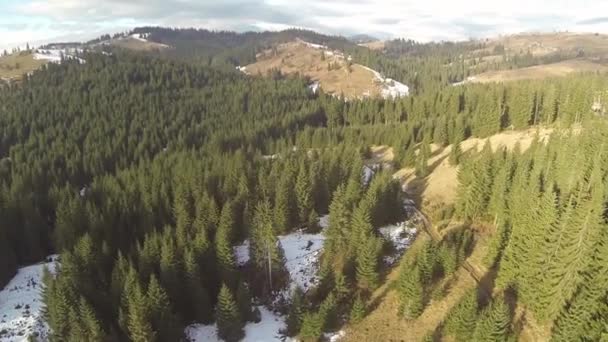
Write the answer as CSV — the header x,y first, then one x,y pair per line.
x,y
362,38
331,69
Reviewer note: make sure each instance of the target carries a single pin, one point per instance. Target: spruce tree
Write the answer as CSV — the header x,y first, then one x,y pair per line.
x,y
296,311
462,319
367,264
243,301
139,325
312,326
357,311
164,322
494,323
223,247
228,319
303,190
411,293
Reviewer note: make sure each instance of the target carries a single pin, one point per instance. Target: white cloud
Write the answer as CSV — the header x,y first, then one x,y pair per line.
x,y
421,20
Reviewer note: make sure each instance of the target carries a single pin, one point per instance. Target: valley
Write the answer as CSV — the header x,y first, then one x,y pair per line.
x,y
201,185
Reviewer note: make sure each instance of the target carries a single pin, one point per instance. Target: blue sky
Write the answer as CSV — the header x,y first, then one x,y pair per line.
x,y
41,21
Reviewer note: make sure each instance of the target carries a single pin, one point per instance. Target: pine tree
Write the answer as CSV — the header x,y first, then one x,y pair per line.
x,y
243,301
139,326
91,324
411,293
295,314
223,247
200,309
494,323
161,314
357,312
303,190
265,251
455,154
228,319
312,326
462,319
367,264
422,160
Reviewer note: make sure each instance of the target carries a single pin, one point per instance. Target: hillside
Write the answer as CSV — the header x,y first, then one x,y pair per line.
x,y
542,44
14,66
537,56
331,69
135,42
538,72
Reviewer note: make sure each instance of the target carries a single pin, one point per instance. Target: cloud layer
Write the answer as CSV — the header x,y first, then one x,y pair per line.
x,y
38,21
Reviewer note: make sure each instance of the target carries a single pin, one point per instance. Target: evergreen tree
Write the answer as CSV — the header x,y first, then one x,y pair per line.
x,y
223,247
462,319
243,301
357,312
139,326
303,190
228,319
411,293
494,323
295,314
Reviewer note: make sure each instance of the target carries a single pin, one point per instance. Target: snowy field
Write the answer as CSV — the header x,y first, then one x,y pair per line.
x,y
267,330
390,87
302,253
56,55
21,305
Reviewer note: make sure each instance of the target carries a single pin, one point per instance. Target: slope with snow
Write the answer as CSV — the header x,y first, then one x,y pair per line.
x,y
56,55
21,304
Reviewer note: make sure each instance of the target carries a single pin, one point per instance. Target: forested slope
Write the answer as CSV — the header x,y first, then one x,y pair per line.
x,y
144,172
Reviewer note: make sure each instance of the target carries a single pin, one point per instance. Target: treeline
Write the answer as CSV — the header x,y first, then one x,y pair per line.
x,y
144,173
548,206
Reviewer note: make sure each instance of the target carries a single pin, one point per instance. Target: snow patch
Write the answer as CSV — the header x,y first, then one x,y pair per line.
x,y
21,304
394,89
314,46
241,252
314,87
143,37
335,336
267,330
56,55
390,87
324,221
302,253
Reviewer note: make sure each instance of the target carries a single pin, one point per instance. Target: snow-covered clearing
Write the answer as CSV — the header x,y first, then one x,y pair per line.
x,y
266,330
56,55
401,235
302,253
390,87
21,304
140,36
394,89
314,46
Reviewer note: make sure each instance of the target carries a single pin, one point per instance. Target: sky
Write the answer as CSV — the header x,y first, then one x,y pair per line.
x,y
42,21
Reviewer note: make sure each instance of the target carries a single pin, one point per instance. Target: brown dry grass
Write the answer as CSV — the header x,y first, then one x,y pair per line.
x,y
440,185
297,57
540,44
377,45
539,71
16,65
384,324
